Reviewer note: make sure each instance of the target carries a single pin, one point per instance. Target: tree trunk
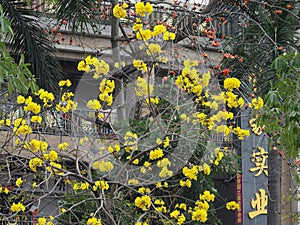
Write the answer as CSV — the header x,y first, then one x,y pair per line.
x,y
274,179
116,58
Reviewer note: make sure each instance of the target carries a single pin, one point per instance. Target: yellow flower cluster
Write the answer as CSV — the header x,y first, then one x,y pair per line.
x,y
241,133
165,162
141,223
17,207
219,155
143,190
130,141
190,173
222,115
232,100
7,122
43,221
223,129
180,217
165,172
63,146
94,221
257,103
106,88
4,190
81,186
63,83
143,202
133,182
161,185
20,127
199,212
187,183
207,196
19,181
52,156
153,49
103,166
232,205
231,83
36,119
156,154
143,87
189,79
103,185
55,168
33,163
93,104
144,34
36,145
154,101
159,29
119,10
141,8
66,103
100,67
169,36
140,65
115,148
205,168
31,106
46,97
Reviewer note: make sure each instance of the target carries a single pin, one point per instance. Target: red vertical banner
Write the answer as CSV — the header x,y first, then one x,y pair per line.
x,y
239,199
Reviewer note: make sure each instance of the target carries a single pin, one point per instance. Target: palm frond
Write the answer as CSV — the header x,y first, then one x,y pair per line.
x,y
31,40
82,15
266,36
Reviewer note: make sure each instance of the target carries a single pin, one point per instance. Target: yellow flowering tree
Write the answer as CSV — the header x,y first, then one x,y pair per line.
x,y
155,165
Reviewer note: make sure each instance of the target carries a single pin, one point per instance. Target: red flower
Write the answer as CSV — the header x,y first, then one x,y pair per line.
x,y
226,72
215,43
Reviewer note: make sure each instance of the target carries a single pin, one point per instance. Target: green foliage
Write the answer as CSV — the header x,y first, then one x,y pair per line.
x,y
17,75
31,40
282,104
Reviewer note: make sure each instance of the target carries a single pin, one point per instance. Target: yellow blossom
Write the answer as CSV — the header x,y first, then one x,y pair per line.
x,y
156,154
165,172
169,36
36,119
33,163
94,221
132,182
19,181
141,9
257,103
17,207
63,83
140,65
82,66
63,146
53,155
143,34
103,166
207,196
153,49
119,11
199,215
159,29
231,83
94,104
206,169
20,99
232,205
143,202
